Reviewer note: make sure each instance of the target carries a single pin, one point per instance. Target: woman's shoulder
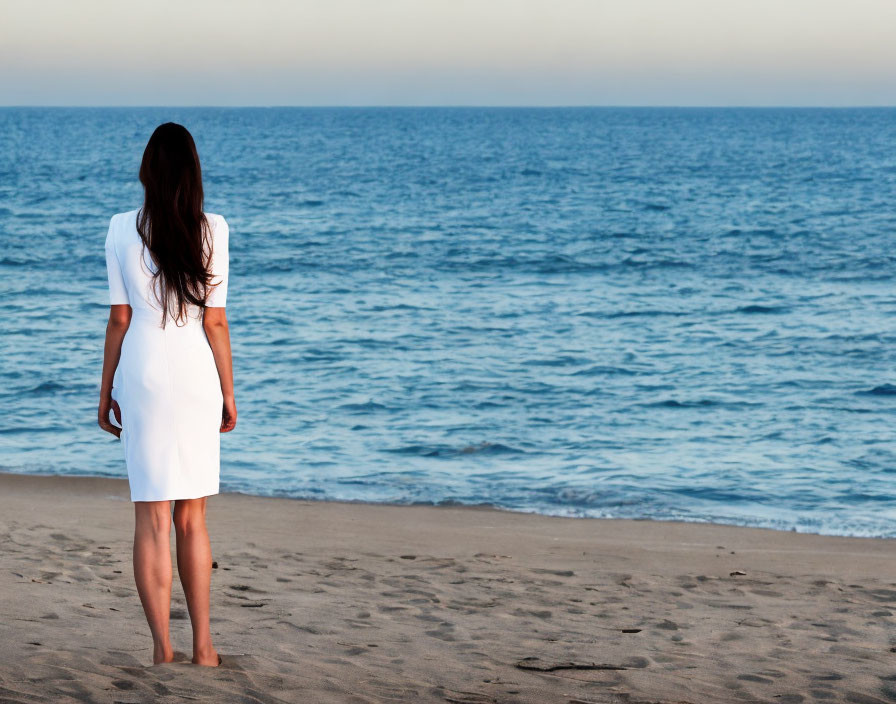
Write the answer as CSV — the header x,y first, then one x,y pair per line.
x,y
215,219
218,224
127,215
118,218
122,222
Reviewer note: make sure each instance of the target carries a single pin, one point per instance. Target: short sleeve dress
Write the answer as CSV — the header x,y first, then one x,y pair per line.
x,y
166,382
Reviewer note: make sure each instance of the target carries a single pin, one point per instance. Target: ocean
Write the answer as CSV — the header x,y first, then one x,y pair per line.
x,y
681,314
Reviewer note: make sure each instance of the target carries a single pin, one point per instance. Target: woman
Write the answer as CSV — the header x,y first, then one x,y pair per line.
x,y
167,377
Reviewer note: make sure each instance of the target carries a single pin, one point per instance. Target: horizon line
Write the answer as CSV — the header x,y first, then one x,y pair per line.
x,y
461,106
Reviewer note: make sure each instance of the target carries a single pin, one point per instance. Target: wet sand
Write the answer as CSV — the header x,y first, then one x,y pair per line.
x,y
324,602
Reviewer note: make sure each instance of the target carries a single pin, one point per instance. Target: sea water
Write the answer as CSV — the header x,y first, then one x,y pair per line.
x,y
642,313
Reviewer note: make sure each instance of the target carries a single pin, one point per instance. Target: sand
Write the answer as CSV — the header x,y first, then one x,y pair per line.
x,y
341,602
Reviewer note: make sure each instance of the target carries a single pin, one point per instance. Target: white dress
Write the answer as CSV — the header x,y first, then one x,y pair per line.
x,y
166,383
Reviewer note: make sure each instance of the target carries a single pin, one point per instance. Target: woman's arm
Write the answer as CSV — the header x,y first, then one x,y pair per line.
x,y
215,323
119,321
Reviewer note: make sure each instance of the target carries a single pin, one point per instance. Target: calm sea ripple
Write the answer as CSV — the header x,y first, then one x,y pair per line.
x,y
649,313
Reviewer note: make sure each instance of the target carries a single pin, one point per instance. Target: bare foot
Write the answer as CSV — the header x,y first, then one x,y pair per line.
x,y
207,656
162,654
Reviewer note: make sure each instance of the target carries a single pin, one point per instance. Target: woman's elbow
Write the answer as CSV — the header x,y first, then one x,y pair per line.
x,y
214,318
119,317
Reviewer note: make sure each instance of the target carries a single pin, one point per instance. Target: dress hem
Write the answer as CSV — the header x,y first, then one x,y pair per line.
x,y
175,498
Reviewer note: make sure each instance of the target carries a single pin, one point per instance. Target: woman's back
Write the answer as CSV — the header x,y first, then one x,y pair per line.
x,y
131,267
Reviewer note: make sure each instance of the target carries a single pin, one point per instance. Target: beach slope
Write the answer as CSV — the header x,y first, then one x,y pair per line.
x,y
338,602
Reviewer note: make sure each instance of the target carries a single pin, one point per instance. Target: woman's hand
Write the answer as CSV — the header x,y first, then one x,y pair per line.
x,y
107,404
228,417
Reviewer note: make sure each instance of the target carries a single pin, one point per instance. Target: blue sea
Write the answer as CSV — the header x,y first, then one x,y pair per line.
x,y
681,314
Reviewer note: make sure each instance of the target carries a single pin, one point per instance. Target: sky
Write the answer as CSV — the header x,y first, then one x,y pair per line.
x,y
448,52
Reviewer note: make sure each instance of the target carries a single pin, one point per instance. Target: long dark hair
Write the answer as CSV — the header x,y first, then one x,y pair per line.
x,y
172,223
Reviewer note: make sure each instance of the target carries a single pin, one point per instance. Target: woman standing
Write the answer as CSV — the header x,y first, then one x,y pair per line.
x,y
167,377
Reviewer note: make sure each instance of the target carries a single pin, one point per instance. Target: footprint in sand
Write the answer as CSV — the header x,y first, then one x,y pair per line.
x,y
882,594
667,625
536,613
382,691
443,632
461,697
821,694
556,573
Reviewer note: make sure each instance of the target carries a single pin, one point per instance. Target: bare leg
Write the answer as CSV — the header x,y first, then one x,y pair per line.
x,y
194,565
152,571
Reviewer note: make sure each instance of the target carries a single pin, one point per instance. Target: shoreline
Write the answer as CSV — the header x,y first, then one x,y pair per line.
x,y
483,506
357,602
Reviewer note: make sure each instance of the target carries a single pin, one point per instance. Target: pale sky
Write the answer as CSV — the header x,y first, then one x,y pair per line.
x,y
448,52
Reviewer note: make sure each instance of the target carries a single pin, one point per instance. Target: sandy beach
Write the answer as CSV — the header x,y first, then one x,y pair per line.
x,y
344,602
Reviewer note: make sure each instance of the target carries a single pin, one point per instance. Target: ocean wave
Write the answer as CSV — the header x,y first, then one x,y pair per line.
x,y
604,370
47,387
395,306
760,309
366,407
563,264
700,403
563,361
483,448
882,390
642,314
